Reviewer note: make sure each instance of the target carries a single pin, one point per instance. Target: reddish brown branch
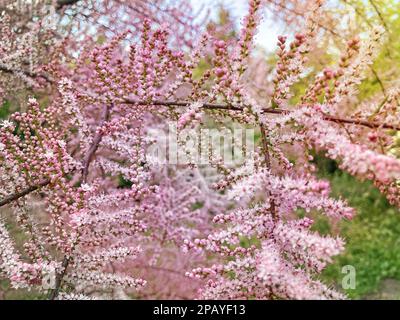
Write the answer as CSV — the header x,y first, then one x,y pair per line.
x,y
221,106
85,171
86,163
379,14
24,192
141,266
27,73
181,104
365,123
59,278
95,144
63,3
267,158
211,106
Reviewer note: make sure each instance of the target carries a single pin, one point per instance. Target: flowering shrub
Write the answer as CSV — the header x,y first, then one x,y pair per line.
x,y
102,218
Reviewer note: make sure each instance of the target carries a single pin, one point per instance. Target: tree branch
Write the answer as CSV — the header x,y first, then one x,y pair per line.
x,y
25,72
95,144
87,160
221,106
267,158
379,14
211,106
86,163
379,80
64,3
24,192
59,278
301,15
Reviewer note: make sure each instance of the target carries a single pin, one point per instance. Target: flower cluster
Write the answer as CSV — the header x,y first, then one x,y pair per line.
x,y
271,222
105,220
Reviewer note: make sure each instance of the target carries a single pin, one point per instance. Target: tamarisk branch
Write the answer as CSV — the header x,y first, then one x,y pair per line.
x,y
24,192
221,106
210,106
85,172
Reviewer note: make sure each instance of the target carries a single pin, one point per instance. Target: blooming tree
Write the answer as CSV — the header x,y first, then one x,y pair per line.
x,y
102,217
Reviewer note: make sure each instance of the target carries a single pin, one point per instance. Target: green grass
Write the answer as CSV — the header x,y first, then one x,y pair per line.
x,y
372,236
4,110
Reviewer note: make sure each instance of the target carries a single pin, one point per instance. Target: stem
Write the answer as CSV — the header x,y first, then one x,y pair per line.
x,y
28,73
63,3
86,163
59,278
98,137
95,144
24,192
222,106
267,158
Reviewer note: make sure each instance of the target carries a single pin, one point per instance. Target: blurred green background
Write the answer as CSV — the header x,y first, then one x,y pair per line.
x,y
372,237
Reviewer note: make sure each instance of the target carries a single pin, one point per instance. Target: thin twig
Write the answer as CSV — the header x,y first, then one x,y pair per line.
x,y
221,106
267,159
379,80
95,144
64,3
97,139
24,192
59,278
379,14
26,73
142,266
86,163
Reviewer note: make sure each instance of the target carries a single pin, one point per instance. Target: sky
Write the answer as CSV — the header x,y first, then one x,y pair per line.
x,y
268,30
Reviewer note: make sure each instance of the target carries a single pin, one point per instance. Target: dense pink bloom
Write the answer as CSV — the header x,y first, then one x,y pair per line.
x,y
107,220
